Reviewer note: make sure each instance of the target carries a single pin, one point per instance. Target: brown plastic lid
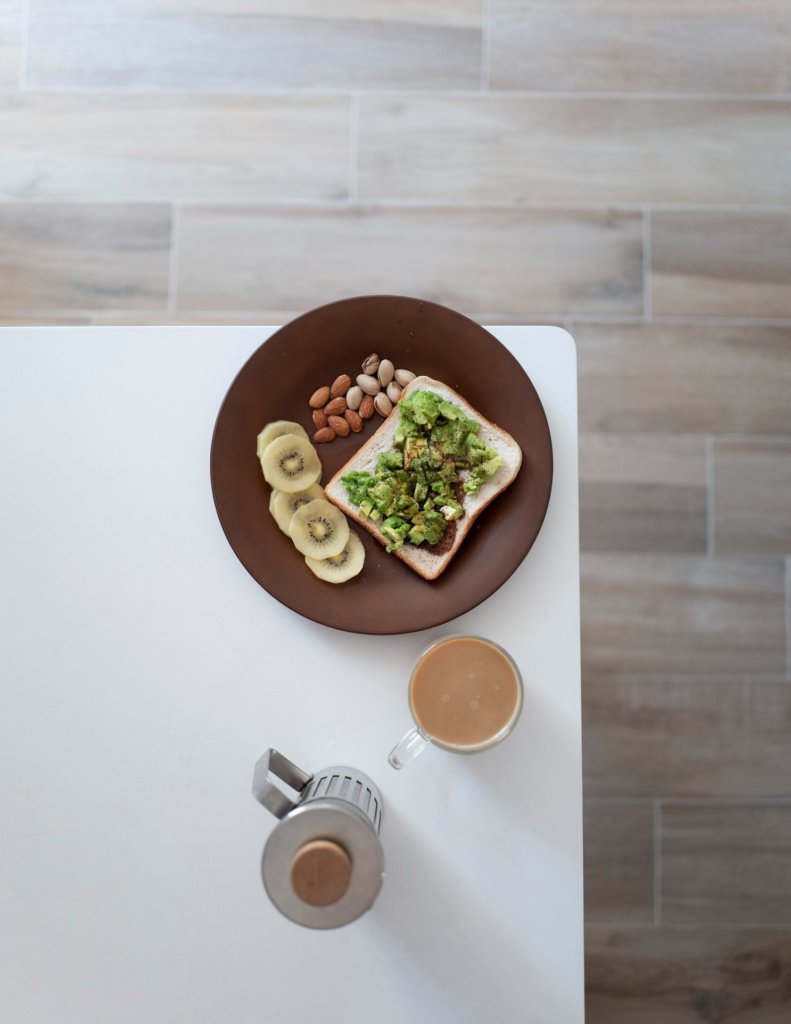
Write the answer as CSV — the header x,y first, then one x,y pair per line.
x,y
320,872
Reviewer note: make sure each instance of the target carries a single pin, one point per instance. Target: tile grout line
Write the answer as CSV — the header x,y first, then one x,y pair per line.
x,y
716,926
173,261
710,520
354,146
428,92
411,203
647,297
788,617
24,35
485,46
657,863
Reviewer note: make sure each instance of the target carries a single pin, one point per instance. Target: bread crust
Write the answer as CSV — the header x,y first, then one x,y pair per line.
x,y
419,558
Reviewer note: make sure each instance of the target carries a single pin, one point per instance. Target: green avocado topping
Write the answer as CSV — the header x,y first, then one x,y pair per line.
x,y
413,493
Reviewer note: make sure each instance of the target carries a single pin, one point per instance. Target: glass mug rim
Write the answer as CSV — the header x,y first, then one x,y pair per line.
x,y
498,737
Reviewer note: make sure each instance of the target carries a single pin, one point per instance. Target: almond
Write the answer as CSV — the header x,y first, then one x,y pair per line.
x,y
319,419
324,435
337,407
319,398
340,385
366,409
339,425
354,420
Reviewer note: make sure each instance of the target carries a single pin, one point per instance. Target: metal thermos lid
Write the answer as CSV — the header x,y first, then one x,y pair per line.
x,y
323,864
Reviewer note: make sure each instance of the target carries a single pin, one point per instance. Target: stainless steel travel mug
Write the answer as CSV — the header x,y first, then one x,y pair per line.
x,y
323,863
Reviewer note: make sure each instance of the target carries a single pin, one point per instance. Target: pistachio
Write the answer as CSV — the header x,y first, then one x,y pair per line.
x,y
382,404
371,364
404,377
353,397
393,391
386,371
370,385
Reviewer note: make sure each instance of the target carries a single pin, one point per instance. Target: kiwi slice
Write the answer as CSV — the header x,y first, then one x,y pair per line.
x,y
290,463
339,568
277,429
319,529
283,505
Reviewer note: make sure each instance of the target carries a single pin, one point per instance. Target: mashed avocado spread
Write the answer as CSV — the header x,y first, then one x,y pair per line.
x,y
417,489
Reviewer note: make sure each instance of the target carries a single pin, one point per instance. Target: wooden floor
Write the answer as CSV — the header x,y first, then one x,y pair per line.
x,y
621,167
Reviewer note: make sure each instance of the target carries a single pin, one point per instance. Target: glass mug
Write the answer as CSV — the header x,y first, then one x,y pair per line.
x,y
465,695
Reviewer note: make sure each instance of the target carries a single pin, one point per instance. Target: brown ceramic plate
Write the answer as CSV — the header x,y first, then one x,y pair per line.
x,y
276,382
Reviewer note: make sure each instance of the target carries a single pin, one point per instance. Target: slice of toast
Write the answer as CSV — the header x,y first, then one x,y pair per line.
x,y
425,561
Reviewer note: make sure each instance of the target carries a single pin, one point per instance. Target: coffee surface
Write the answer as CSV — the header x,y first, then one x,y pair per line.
x,y
464,692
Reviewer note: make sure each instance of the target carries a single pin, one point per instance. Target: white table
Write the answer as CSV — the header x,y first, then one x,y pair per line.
x,y
144,672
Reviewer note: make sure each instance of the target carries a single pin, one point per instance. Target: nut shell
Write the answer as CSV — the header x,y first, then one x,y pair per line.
x,y
385,373
319,398
354,420
366,409
393,391
354,396
371,364
319,419
324,436
340,385
404,377
337,407
370,385
339,425
383,405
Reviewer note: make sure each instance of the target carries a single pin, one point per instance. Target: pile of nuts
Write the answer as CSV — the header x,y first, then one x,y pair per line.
x,y
342,407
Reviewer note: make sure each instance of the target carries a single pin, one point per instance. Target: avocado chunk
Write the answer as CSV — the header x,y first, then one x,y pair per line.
x,y
437,457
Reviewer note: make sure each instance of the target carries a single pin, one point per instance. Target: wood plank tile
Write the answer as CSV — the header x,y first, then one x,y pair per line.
x,y
619,862
10,36
684,46
81,256
752,496
769,709
687,976
473,259
726,864
721,263
682,614
684,378
642,492
710,736
261,44
148,147
527,149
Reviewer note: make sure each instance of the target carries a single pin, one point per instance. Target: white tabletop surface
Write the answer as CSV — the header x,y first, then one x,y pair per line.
x,y
143,672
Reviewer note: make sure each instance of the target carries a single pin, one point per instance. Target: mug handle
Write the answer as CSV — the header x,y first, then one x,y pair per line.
x,y
274,764
407,749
